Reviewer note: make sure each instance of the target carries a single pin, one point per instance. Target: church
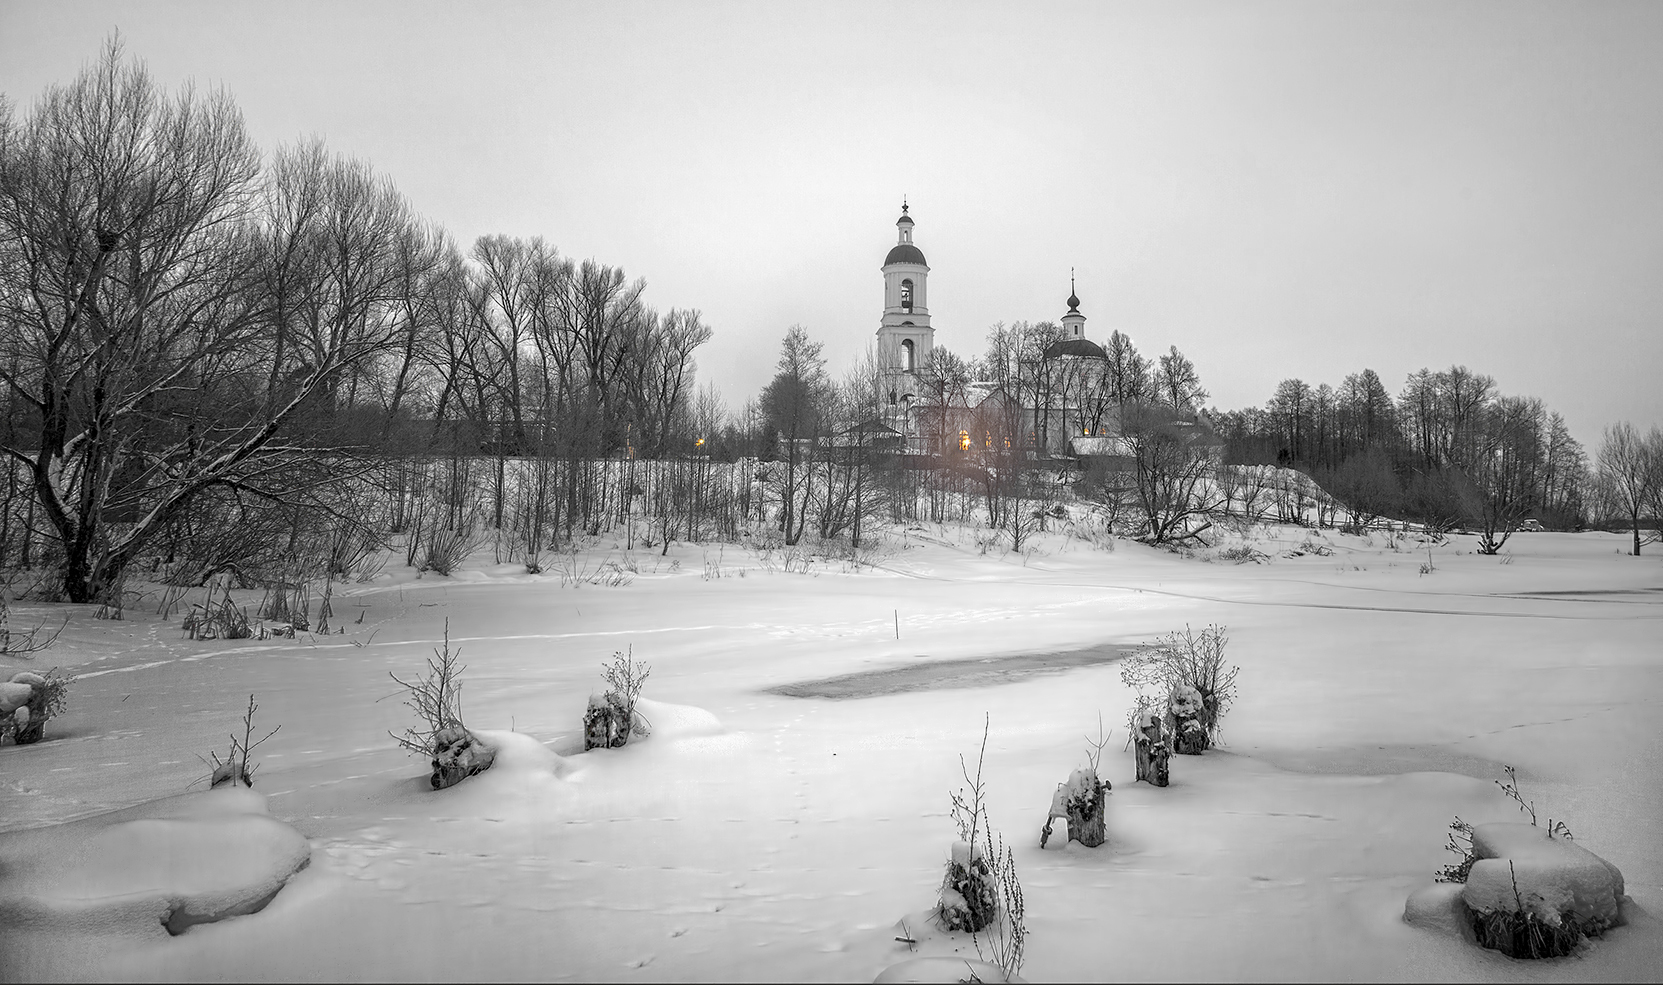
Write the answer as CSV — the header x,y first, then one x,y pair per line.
x,y
928,420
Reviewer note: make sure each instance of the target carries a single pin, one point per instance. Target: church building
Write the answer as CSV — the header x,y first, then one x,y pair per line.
x,y
905,342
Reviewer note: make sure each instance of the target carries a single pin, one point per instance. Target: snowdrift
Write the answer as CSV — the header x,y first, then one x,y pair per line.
x,y
153,870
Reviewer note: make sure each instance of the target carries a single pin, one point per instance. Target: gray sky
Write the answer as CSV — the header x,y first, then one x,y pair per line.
x,y
1279,189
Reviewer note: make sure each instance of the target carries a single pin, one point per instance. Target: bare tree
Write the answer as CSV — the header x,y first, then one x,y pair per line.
x,y
1173,468
1628,472
1176,382
143,336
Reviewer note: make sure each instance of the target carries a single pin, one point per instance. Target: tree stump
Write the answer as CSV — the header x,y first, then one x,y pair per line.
x,y
1081,803
607,722
1153,753
969,898
1189,732
24,701
457,755
28,729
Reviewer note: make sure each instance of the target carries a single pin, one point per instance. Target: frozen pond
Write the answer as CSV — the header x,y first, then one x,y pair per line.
x,y
758,836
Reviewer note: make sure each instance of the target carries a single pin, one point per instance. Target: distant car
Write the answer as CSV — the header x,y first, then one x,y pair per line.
x,y
1532,525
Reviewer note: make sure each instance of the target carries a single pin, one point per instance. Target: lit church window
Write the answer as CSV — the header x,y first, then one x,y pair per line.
x,y
906,295
907,363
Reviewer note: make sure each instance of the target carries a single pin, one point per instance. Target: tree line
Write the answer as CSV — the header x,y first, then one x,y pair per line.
x,y
190,326
1450,449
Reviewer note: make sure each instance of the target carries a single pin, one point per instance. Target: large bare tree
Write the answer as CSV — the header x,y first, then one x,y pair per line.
x,y
142,342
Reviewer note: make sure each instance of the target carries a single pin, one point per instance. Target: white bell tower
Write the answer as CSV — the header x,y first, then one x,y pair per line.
x,y
905,337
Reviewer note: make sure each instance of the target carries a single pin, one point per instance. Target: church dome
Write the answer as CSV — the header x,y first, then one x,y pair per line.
x,y
1074,347
905,253
1073,303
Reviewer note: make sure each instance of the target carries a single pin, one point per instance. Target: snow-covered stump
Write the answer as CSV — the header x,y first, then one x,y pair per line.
x,y
1535,896
1081,802
969,893
607,723
457,755
1527,895
1152,751
27,701
1189,730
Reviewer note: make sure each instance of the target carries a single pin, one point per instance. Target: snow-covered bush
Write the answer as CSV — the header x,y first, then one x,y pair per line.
x,y
969,888
980,891
1175,671
456,753
612,717
28,700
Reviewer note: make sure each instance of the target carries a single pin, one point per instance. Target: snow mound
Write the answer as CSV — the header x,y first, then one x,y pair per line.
x,y
1440,907
670,721
173,864
518,756
1554,875
1557,880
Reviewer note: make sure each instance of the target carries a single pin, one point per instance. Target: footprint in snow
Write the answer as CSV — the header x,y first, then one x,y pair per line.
x,y
643,962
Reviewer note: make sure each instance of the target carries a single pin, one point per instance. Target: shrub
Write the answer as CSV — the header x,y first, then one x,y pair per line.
x,y
980,890
26,643
235,767
447,549
1532,930
455,752
436,699
969,896
1008,938
1460,843
612,718
1171,668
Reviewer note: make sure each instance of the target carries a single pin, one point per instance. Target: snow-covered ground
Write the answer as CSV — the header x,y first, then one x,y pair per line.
x,y
761,835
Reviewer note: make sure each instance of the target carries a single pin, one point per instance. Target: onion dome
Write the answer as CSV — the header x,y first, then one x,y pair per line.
x,y
905,253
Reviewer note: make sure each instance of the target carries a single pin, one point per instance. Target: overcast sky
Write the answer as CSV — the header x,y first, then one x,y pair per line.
x,y
1279,189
